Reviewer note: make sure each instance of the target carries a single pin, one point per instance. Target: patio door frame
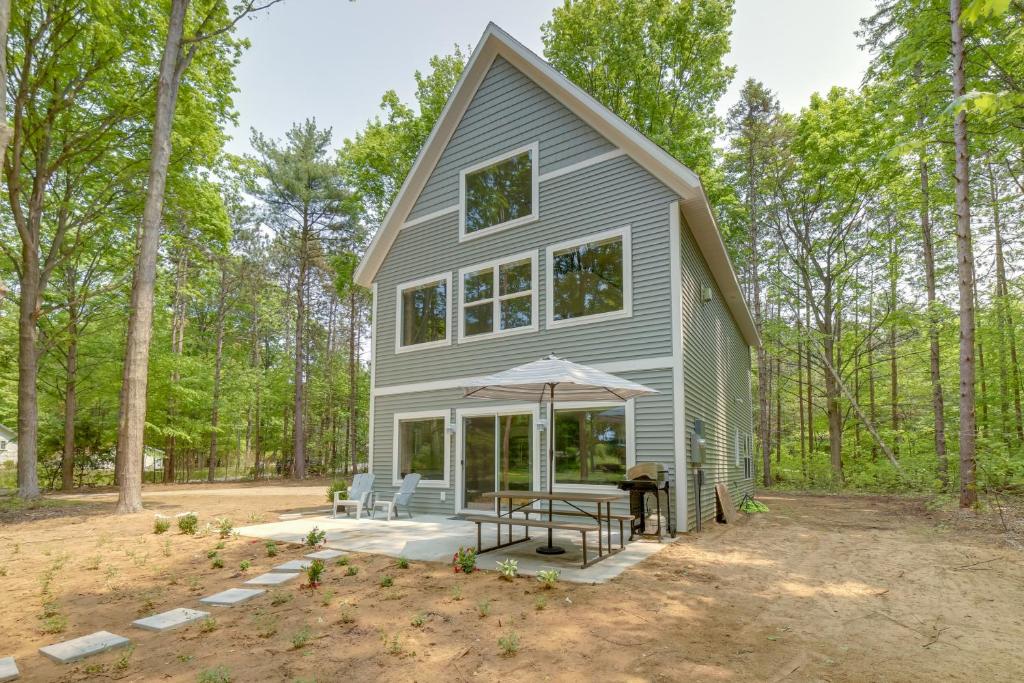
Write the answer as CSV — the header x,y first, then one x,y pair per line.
x,y
485,410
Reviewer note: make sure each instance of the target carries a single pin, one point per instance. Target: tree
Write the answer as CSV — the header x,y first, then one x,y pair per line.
x,y
213,31
306,203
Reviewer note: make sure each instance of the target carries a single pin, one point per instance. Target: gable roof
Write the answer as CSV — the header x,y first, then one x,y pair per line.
x,y
659,163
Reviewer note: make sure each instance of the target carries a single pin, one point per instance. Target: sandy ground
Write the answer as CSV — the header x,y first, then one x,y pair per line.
x,y
836,588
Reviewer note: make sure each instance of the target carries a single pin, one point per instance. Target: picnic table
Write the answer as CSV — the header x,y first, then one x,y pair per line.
x,y
600,519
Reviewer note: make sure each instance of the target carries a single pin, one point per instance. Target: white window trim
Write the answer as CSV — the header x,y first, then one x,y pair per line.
x,y
627,279
630,442
496,299
446,416
400,313
534,149
539,443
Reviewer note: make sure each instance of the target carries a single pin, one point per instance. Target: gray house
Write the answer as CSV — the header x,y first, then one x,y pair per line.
x,y
536,221
8,446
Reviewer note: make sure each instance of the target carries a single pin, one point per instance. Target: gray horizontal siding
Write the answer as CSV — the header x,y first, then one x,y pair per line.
x,y
716,381
601,197
508,111
653,438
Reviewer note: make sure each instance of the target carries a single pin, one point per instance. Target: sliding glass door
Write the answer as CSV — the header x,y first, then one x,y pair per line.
x,y
497,455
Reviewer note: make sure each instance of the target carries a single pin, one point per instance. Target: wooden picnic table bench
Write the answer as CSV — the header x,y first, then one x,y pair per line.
x,y
501,520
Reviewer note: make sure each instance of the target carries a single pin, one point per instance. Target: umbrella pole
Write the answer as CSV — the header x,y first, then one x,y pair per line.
x,y
550,548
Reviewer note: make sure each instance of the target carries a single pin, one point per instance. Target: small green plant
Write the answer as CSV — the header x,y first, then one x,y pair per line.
x,y
271,547
326,598
403,563
280,597
751,506
217,562
167,547
54,623
161,524
244,565
220,545
386,581
341,561
419,620
255,517
315,537
464,560
548,577
392,645
352,570
483,608
225,526
185,658
95,669
194,584
302,637
218,674
509,568
339,486
540,603
125,659
347,617
314,571
210,554
208,625
188,523
456,593
509,643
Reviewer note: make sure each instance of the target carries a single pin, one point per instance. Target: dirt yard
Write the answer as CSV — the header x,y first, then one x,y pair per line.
x,y
837,588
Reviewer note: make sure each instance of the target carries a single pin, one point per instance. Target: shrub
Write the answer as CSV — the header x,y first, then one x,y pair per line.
x,y
419,620
244,565
540,603
210,554
280,597
315,537
302,637
218,561
386,581
456,592
161,524
403,563
314,571
548,577
271,547
225,526
341,561
188,523
509,568
464,560
483,608
340,486
218,674
207,625
55,623
346,616
352,570
509,643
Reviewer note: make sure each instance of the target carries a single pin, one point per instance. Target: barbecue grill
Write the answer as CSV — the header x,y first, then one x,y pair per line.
x,y
646,483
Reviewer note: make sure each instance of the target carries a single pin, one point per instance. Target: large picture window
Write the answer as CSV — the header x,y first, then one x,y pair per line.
x,y
499,297
590,445
499,193
590,280
421,446
423,313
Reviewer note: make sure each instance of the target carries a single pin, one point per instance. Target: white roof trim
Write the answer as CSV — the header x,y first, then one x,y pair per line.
x,y
496,42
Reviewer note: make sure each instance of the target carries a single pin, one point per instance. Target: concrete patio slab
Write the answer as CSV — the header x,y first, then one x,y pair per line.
x,y
174,618
435,538
8,669
231,596
325,554
86,646
293,566
271,579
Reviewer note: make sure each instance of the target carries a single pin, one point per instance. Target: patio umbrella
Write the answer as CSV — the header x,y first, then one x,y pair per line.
x,y
540,381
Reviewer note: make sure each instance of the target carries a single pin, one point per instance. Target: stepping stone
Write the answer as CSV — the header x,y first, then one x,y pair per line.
x,y
325,554
8,669
293,566
80,648
171,619
231,596
271,579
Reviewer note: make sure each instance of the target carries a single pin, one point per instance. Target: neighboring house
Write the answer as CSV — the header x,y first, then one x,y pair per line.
x,y
8,445
535,221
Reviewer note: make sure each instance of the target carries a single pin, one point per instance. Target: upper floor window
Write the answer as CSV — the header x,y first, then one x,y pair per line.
x,y
423,313
590,280
499,193
499,297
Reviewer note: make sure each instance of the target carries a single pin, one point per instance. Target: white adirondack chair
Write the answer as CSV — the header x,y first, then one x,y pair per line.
x,y
358,495
401,499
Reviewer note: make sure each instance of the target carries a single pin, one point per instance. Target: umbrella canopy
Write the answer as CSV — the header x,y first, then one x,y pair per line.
x,y
572,382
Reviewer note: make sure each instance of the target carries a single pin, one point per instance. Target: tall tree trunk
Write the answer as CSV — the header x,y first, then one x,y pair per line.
x,y
835,416
353,375
938,402
299,445
800,391
5,130
217,364
132,421
894,387
28,371
810,386
70,402
965,270
178,322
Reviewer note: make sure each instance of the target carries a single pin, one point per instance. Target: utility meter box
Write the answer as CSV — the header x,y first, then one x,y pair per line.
x,y
697,442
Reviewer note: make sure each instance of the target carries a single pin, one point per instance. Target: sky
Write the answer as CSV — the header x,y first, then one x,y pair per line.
x,y
333,59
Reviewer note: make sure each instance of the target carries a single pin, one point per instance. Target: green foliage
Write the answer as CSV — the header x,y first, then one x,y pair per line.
x,y
509,568
271,547
315,537
225,527
509,643
314,572
161,524
751,506
464,560
339,486
217,674
548,577
188,523
302,637
386,581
